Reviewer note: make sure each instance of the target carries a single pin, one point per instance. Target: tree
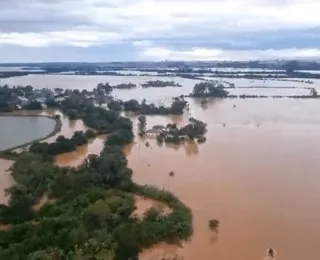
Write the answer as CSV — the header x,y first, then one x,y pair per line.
x,y
114,105
79,138
142,125
34,105
96,216
177,107
209,89
90,134
313,92
131,105
214,224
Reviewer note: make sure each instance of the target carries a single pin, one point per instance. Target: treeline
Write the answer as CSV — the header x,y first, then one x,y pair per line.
x,y
10,74
244,96
125,86
149,84
62,144
9,95
107,88
90,209
160,84
176,108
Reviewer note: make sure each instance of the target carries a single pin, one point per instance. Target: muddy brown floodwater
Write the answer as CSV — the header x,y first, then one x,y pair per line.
x,y
75,158
259,175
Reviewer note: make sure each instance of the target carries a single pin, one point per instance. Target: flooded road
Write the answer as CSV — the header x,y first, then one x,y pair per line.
x,y
258,175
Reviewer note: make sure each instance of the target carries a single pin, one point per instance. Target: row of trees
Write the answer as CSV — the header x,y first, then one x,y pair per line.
x,y
90,212
177,107
62,144
160,84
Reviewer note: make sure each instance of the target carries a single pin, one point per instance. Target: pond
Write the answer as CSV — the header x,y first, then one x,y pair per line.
x,y
18,130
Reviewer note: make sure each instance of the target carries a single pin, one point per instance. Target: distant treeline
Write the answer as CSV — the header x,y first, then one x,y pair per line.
x,y
10,74
183,65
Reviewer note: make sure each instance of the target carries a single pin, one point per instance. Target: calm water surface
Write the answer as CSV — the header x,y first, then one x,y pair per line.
x,y
258,175
17,130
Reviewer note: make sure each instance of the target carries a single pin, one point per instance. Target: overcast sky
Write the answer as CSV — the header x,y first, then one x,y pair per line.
x,y
122,30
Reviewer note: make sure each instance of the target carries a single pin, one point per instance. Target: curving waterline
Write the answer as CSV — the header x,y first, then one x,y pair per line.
x,y
56,129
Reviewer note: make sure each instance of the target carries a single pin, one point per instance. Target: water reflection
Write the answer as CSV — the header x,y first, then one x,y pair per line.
x,y
190,148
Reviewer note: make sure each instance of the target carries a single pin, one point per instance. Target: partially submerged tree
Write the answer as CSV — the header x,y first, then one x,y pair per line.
x,y
214,224
142,125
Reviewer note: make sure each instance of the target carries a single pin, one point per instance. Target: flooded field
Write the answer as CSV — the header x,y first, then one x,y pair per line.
x,y
258,175
260,182
162,95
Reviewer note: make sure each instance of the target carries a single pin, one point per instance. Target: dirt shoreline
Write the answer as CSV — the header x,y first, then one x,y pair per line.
x,y
56,129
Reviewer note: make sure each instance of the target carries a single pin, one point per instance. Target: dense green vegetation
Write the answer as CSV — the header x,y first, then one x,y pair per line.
x,y
8,96
90,212
62,144
125,86
173,134
176,108
142,125
208,89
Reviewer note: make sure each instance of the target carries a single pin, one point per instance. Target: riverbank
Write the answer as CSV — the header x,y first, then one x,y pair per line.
x,y
8,153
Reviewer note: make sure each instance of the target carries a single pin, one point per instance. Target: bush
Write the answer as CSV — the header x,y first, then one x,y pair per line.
x,y
214,224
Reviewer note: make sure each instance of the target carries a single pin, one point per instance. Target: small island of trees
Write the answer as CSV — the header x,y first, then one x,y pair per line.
x,y
173,134
160,84
209,89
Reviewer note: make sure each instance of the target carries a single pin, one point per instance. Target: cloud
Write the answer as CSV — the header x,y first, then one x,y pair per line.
x,y
201,54
184,27
79,38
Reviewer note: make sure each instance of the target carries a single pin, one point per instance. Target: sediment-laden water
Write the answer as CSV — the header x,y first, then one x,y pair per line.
x,y
258,175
